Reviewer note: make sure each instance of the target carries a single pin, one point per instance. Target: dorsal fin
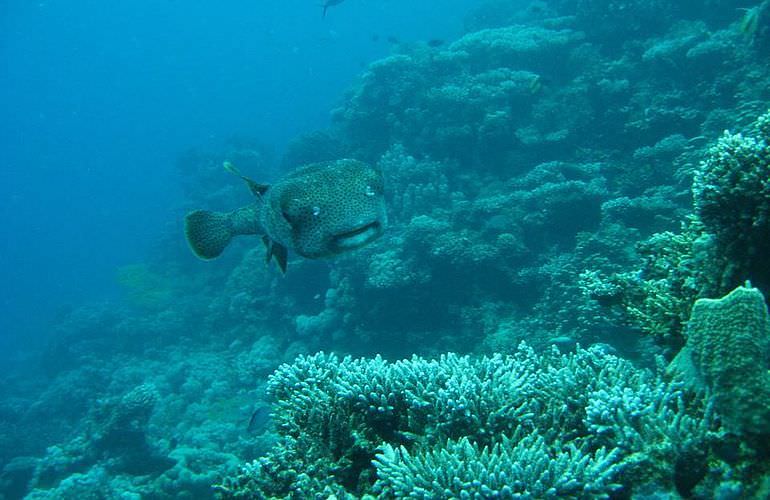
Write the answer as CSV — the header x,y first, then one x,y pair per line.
x,y
275,251
256,188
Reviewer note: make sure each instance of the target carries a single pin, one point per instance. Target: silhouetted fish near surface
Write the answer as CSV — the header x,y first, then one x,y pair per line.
x,y
318,211
329,3
435,42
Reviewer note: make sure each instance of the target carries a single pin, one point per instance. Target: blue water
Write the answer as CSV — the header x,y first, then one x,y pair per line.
x,y
98,100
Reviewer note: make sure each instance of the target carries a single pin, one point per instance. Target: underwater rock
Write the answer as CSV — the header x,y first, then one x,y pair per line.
x,y
16,476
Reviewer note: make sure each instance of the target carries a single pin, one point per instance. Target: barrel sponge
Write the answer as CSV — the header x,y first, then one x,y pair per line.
x,y
728,341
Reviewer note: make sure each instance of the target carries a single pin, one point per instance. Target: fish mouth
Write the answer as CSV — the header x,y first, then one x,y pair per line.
x,y
358,237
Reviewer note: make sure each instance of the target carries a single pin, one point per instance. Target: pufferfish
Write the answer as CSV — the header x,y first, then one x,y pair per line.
x,y
319,210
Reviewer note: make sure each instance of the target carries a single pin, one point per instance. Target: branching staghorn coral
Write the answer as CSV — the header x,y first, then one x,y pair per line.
x,y
523,466
368,426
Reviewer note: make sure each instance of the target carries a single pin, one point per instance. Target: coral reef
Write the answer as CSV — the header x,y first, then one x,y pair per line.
x,y
481,91
557,424
677,269
538,179
721,245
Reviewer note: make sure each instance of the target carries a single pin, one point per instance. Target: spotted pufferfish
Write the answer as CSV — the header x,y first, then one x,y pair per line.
x,y
319,210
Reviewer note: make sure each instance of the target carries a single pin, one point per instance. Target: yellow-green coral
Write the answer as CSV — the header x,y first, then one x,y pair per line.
x,y
677,269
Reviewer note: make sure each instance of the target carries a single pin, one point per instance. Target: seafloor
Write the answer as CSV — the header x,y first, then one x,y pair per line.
x,y
579,208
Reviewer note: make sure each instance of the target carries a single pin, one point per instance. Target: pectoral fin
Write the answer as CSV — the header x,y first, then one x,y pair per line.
x,y
277,252
256,188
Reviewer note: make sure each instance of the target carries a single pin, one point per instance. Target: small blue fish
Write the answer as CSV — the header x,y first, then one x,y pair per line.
x,y
260,418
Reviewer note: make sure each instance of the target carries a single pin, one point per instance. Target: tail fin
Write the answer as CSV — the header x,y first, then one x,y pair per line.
x,y
208,233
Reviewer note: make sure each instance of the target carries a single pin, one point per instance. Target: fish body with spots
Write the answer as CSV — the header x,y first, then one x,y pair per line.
x,y
317,211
